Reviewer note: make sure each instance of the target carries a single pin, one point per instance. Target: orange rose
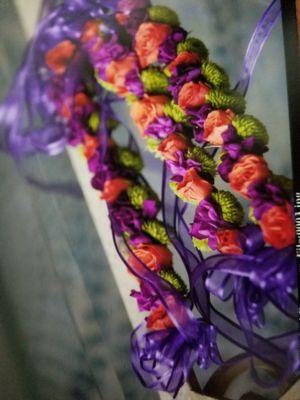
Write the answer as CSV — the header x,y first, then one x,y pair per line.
x,y
278,226
148,39
193,188
113,188
58,58
91,143
116,73
173,143
159,319
185,58
90,30
215,124
144,111
192,95
122,18
228,241
154,256
249,169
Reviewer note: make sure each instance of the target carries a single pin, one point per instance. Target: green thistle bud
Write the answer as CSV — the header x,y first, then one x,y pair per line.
x,y
207,162
163,15
174,279
247,125
157,230
226,99
285,183
173,111
152,144
94,121
215,75
155,81
137,195
107,86
201,245
131,98
129,159
232,210
193,45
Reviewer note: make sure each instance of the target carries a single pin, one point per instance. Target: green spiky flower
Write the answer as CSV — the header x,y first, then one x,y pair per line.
x,y
215,75
173,111
152,145
129,159
247,125
284,182
157,230
202,245
137,195
107,86
226,99
163,15
174,279
155,81
232,210
207,162
94,121
193,45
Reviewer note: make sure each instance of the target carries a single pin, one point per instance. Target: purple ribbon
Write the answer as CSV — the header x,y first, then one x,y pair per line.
x,y
260,36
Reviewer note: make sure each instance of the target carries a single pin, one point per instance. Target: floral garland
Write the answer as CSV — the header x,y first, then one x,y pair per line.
x,y
183,107
177,98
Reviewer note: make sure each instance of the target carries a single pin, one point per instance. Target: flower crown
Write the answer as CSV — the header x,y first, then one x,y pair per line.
x,y
184,108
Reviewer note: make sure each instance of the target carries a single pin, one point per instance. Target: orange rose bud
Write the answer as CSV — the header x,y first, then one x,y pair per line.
x,y
144,111
216,123
90,30
228,241
193,188
192,95
81,100
91,143
58,58
173,143
122,18
185,58
278,226
148,40
154,256
116,73
113,188
249,169
159,319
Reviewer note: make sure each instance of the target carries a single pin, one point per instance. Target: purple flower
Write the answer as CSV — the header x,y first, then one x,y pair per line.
x,y
162,127
182,75
168,50
109,51
206,223
146,298
125,219
197,119
150,209
225,167
264,196
134,84
181,165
